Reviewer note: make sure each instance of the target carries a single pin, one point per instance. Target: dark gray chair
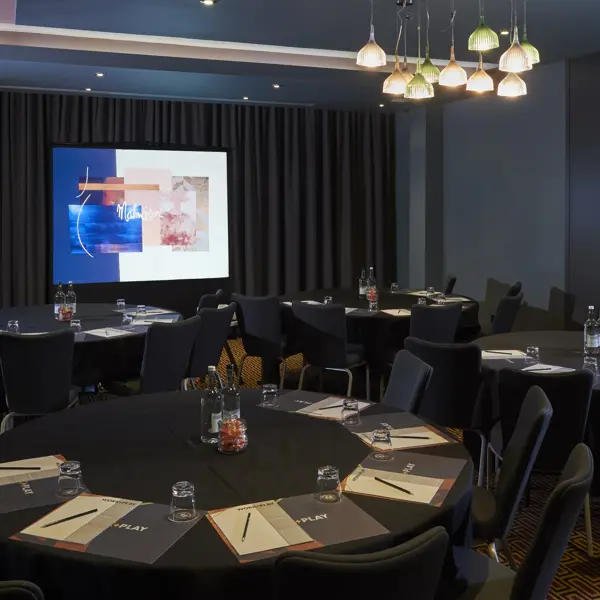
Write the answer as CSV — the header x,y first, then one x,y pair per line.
x,y
488,580
320,331
36,370
437,323
450,283
515,289
410,571
20,590
506,314
493,512
208,301
408,382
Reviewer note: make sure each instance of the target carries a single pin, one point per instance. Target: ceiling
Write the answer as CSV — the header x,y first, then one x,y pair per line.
x,y
53,59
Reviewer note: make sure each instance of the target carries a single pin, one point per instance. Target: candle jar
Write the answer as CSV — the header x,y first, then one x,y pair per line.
x,y
233,436
65,314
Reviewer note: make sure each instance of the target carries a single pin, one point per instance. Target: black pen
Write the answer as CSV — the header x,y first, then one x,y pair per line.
x,y
411,437
83,514
334,406
541,369
20,468
397,487
246,526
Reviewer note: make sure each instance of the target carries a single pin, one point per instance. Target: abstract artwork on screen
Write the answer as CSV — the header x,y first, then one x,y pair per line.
x,y
145,208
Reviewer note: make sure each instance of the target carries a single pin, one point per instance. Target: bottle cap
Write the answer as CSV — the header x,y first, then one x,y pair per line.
x,y
212,369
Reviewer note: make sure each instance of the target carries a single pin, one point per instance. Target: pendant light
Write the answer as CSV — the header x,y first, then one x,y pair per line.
x,y
480,81
396,83
453,75
512,86
532,51
419,88
515,59
483,38
428,69
371,55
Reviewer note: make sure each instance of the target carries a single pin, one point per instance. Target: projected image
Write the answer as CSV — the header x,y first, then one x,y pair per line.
x,y
138,215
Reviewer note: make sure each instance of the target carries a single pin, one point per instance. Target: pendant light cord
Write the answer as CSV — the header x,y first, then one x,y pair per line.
x,y
524,19
419,35
427,30
406,42
399,28
452,17
372,26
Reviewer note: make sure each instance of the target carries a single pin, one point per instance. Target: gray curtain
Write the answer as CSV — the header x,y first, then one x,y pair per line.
x,y
312,197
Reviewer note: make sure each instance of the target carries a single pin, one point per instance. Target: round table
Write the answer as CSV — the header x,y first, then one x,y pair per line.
x,y
95,359
562,348
138,448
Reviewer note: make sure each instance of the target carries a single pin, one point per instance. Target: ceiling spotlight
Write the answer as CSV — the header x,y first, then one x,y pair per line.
x,y
245,97
88,89
504,32
208,2
99,74
276,86
381,105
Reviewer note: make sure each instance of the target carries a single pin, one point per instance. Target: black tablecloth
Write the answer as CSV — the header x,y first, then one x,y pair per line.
x,y
137,448
563,348
95,359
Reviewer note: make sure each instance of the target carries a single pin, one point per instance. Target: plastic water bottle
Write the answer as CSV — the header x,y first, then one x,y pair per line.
x,y
231,396
211,409
372,293
362,284
59,299
71,298
591,334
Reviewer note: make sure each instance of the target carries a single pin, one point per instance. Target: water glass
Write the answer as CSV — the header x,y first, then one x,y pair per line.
x,y
590,363
183,503
441,299
270,395
13,327
532,355
328,484
328,300
350,412
430,291
422,301
394,288
127,321
381,444
121,305
76,325
141,310
70,482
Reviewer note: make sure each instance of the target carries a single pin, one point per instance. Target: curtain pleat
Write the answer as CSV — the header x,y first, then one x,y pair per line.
x,y
311,196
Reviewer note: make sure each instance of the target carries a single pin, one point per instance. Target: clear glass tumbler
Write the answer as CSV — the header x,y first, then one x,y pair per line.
x,y
441,299
532,355
121,305
76,325
350,412
422,301
141,311
13,327
381,445
394,288
430,291
127,320
183,502
328,300
70,482
270,395
590,363
328,484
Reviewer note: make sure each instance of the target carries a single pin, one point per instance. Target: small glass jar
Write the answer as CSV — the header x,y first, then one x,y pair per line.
x,y
65,314
233,436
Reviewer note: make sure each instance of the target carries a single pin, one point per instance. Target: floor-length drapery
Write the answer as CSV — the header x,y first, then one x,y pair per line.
x,y
311,197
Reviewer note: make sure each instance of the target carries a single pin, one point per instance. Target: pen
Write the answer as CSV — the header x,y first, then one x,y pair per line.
x,y
246,526
498,352
397,487
334,406
83,514
540,369
20,468
411,437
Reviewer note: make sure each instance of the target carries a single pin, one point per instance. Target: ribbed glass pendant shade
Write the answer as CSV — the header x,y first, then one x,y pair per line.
x,y
480,81
430,71
371,55
512,86
453,74
418,88
531,50
483,38
406,72
515,59
395,84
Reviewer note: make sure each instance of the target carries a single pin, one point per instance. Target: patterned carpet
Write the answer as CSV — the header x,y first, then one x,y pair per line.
x,y
578,577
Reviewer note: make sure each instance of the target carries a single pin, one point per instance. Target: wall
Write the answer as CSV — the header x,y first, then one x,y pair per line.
x,y
505,189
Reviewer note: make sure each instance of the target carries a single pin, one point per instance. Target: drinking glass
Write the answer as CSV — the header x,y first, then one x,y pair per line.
x,y
394,288
70,482
270,394
590,363
532,355
381,444
141,310
127,321
76,325
328,484
350,412
430,291
121,304
422,301
183,503
441,299
328,300
13,327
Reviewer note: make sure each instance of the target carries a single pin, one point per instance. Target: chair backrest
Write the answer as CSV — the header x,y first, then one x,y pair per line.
x,y
408,382
20,590
259,322
437,323
36,370
452,396
568,393
215,325
167,355
534,577
320,331
450,283
506,313
514,289
208,301
519,457
410,571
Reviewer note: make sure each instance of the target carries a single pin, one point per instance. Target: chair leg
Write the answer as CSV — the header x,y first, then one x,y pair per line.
x,y
229,353
350,381
490,469
301,381
588,526
368,382
492,552
482,453
283,373
509,554
240,375
381,388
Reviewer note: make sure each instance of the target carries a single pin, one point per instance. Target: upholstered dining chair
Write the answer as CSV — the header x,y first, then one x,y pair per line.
x,y
488,580
493,512
450,283
408,382
437,323
36,370
515,289
320,331
410,571
506,314
20,590
208,301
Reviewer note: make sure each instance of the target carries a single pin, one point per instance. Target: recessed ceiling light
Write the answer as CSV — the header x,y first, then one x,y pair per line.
x,y
245,97
88,89
381,105
208,2
99,74
276,86
504,32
